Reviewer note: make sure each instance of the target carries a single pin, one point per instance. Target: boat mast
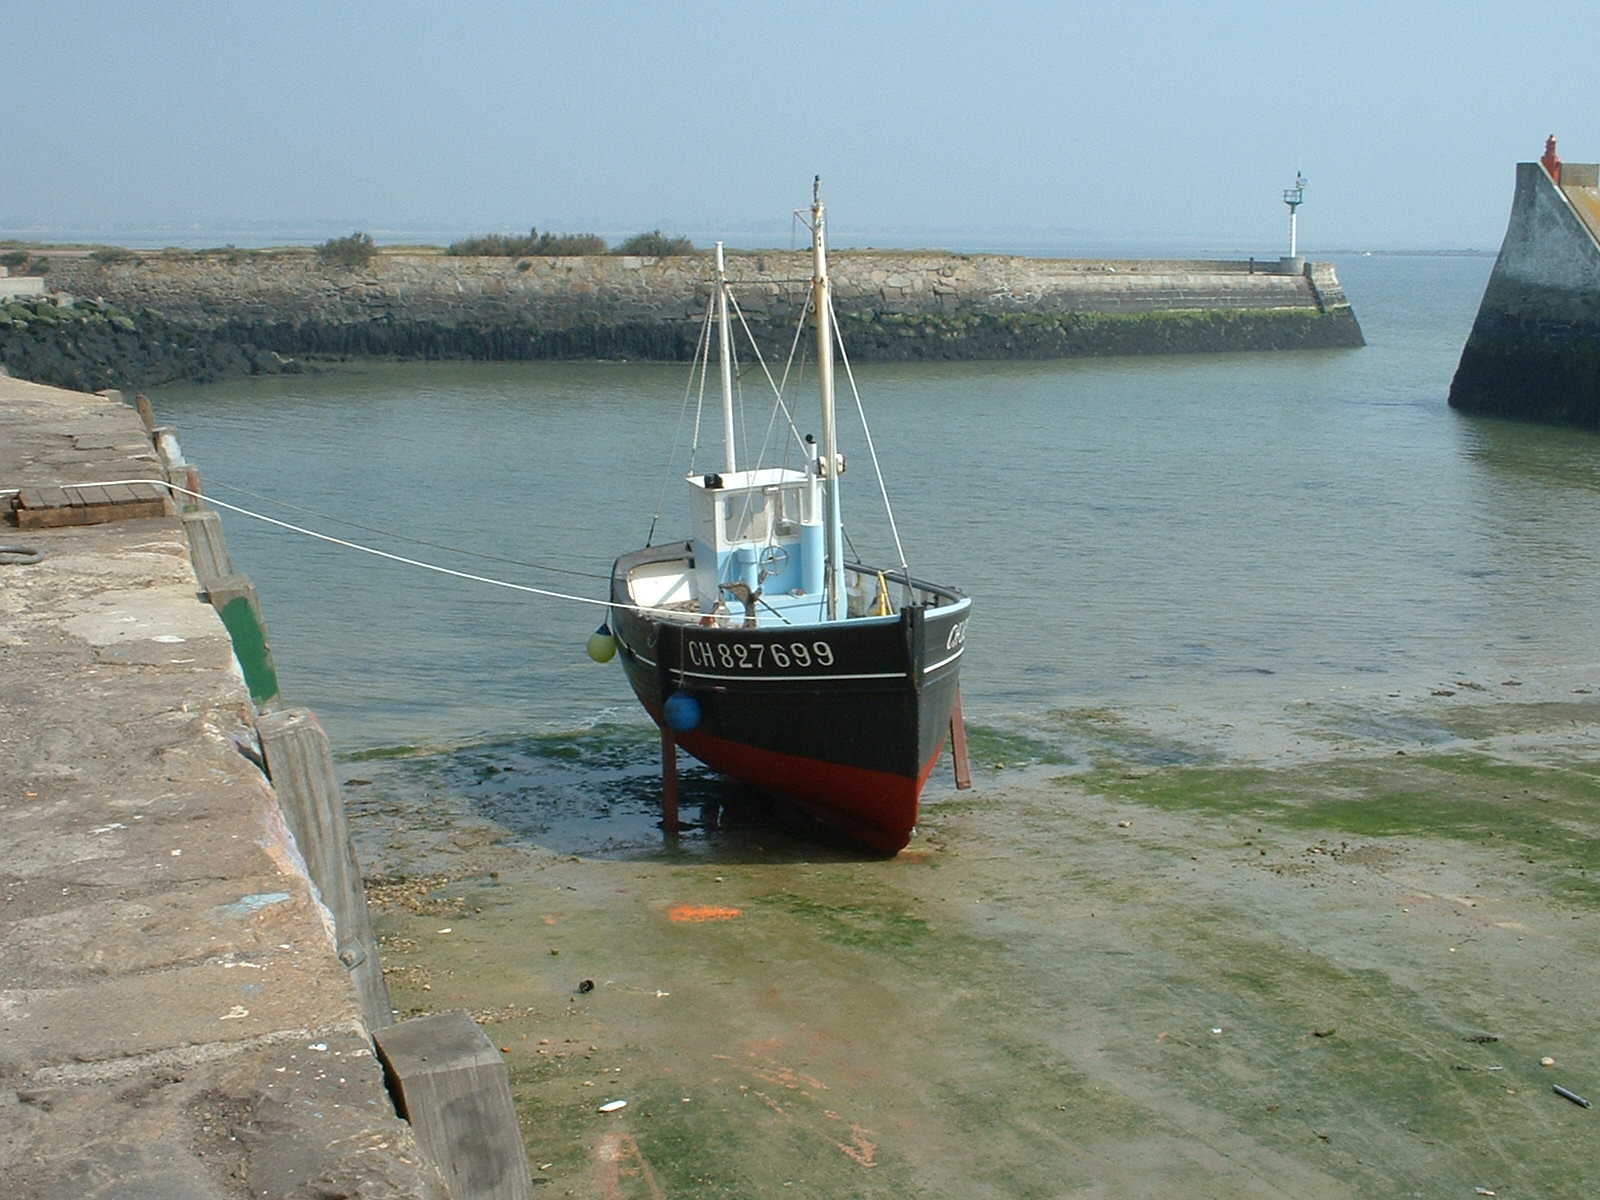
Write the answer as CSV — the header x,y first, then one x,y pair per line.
x,y
725,352
822,306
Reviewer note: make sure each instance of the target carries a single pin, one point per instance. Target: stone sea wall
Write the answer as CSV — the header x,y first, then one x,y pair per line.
x,y
894,305
1534,349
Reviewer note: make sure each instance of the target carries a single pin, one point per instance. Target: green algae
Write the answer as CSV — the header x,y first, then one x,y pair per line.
x,y
855,925
1543,814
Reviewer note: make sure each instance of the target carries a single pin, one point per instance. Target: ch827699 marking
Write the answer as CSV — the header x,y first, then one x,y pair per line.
x,y
758,656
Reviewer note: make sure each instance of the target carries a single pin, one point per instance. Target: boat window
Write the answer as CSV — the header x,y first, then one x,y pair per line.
x,y
762,514
746,517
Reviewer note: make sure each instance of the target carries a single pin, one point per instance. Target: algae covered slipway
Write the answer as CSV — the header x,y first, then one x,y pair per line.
x,y
1349,952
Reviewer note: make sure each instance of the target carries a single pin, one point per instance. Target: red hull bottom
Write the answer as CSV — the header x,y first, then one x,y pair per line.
x,y
875,808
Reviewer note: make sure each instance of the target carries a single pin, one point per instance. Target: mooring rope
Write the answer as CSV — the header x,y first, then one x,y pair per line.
x,y
399,558
402,537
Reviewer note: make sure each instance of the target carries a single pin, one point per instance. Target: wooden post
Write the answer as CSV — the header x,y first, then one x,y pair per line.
x,y
191,499
234,598
448,1080
166,443
958,745
300,765
208,549
669,782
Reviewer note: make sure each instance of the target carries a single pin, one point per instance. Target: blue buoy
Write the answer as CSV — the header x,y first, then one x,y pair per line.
x,y
602,646
681,712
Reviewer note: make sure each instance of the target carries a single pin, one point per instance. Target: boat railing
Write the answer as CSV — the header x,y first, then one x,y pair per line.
x,y
931,594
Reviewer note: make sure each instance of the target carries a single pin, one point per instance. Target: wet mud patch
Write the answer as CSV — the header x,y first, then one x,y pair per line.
x,y
1081,739
594,793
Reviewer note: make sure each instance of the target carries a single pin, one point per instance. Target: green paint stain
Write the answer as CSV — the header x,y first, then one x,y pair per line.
x,y
250,648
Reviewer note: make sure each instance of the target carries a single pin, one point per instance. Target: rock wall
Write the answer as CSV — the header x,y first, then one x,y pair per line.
x,y
1534,349
913,305
89,346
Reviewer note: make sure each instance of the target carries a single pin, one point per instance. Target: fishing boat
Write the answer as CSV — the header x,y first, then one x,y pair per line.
x,y
764,651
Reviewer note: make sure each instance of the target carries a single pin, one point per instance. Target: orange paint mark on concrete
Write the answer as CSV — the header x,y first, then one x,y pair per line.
x,y
694,913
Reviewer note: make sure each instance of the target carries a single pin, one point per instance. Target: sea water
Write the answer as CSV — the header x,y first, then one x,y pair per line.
x,y
1197,540
1265,874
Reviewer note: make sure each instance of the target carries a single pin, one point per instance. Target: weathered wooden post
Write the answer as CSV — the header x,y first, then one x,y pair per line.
x,y
669,783
208,548
300,765
449,1081
234,598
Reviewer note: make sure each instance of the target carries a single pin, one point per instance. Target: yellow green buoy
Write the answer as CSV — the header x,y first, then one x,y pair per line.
x,y
602,646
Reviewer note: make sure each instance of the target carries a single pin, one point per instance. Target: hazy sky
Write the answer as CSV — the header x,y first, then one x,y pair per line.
x,y
1070,123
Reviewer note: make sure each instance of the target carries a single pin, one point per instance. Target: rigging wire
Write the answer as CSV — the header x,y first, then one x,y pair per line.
x,y
677,436
777,388
872,451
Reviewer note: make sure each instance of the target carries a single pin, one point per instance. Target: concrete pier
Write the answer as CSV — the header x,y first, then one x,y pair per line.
x,y
175,1019
1534,350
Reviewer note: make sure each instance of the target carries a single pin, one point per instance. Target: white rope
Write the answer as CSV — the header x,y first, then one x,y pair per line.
x,y
349,545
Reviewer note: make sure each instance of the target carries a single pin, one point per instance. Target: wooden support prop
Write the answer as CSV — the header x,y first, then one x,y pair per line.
x,y
208,548
448,1080
147,414
234,598
191,498
669,782
300,764
958,746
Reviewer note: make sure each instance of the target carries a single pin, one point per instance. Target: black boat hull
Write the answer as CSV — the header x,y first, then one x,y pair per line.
x,y
846,718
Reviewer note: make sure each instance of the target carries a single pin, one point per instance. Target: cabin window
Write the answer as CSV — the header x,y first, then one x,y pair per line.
x,y
745,517
787,510
762,515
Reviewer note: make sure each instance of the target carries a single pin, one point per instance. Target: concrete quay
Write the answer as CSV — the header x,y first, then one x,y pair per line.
x,y
175,1021
1534,350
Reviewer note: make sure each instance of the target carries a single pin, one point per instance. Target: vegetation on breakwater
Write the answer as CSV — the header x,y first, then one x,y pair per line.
x,y
551,245
19,260
88,346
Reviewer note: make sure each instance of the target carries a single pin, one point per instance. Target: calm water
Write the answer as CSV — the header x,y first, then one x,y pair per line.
x,y
1235,530
1050,990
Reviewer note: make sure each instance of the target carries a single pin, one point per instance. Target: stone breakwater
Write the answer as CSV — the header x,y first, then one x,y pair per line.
x,y
87,346
894,305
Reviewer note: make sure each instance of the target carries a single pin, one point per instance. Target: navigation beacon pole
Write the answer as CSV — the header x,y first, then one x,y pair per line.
x,y
1294,197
